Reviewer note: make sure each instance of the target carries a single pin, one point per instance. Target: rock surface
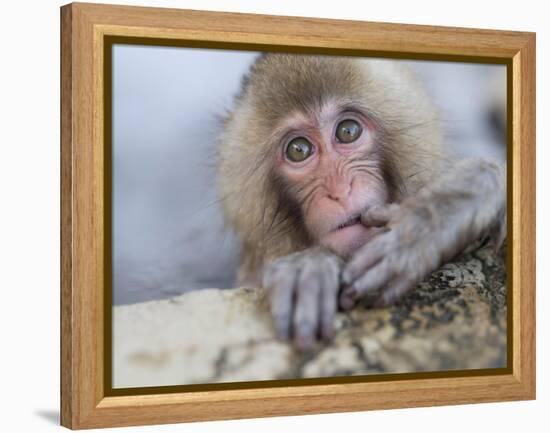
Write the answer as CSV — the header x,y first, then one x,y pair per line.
x,y
454,320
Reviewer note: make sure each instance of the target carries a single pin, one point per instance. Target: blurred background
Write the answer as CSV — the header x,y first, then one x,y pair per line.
x,y
168,232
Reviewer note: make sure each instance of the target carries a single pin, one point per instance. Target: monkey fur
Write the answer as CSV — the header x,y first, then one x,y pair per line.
x,y
365,220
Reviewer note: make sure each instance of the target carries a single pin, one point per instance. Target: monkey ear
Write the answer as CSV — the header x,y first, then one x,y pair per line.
x,y
378,215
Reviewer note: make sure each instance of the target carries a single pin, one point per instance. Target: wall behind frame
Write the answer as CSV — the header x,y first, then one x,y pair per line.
x,y
29,229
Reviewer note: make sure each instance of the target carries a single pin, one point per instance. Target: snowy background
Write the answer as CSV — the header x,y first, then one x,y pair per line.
x,y
168,234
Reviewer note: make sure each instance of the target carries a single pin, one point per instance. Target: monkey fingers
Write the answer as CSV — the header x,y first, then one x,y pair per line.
x,y
280,285
316,297
329,298
303,289
394,290
370,283
307,308
379,215
368,256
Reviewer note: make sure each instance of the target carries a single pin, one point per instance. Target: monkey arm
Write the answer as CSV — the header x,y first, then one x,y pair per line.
x,y
462,204
303,293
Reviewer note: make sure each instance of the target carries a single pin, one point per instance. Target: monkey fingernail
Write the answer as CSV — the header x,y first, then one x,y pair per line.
x,y
327,333
350,292
346,302
380,302
304,342
370,221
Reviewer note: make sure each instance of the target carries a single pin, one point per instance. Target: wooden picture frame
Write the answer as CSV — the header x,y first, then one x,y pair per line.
x,y
87,399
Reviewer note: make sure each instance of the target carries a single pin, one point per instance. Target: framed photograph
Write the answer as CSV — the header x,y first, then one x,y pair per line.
x,y
266,215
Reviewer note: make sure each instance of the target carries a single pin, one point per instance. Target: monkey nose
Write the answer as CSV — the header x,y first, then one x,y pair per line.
x,y
340,193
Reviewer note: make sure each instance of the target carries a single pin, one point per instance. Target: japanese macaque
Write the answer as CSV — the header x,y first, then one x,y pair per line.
x,y
333,175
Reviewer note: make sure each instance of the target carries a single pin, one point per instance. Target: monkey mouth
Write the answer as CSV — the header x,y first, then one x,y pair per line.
x,y
349,222
348,235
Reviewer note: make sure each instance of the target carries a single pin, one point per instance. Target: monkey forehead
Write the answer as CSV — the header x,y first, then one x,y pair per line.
x,y
281,83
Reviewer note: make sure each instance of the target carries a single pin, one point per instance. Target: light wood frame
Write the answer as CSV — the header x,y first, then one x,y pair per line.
x,y
85,402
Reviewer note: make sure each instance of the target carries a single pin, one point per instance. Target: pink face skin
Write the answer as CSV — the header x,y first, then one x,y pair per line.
x,y
338,181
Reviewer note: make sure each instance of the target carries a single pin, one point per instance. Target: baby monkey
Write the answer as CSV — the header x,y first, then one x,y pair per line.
x,y
333,175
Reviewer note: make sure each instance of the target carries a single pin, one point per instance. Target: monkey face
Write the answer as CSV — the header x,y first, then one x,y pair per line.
x,y
330,162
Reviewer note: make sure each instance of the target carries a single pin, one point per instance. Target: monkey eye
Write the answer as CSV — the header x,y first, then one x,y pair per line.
x,y
348,131
298,150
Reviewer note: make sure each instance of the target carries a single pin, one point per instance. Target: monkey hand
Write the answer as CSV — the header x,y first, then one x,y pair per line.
x,y
303,292
424,231
394,261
